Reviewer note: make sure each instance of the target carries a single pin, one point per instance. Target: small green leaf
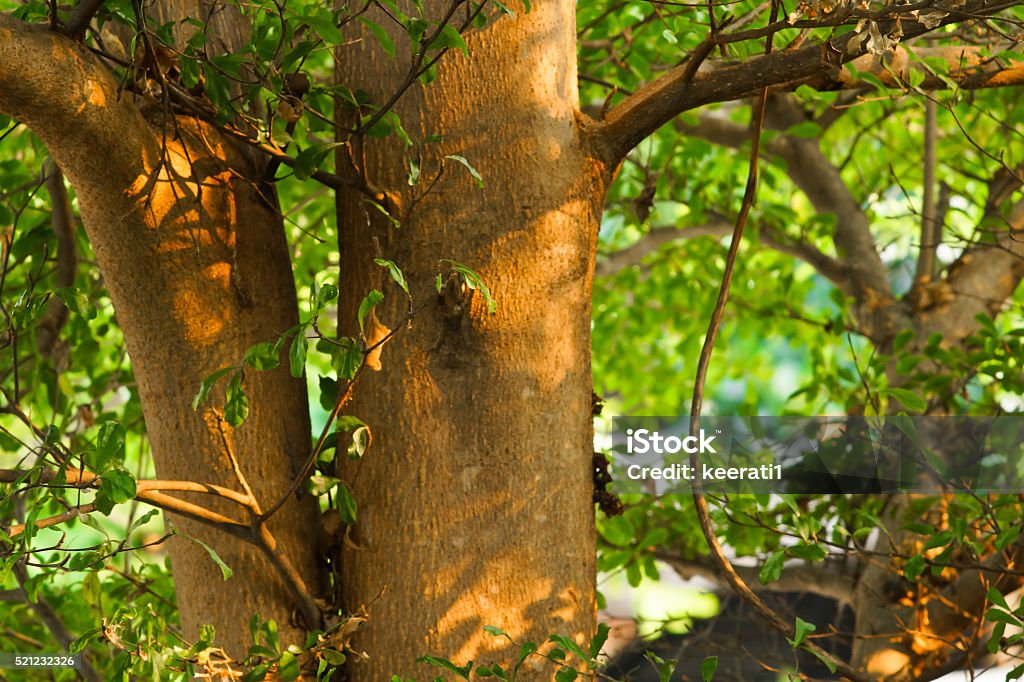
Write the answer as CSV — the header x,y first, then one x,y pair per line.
x,y
445,664
381,35
708,668
914,568
450,38
566,675
110,444
800,631
568,645
297,353
598,640
772,568
346,358
225,570
320,485
236,405
204,388
262,356
997,598
346,504
371,300
911,401
472,171
360,442
76,302
394,271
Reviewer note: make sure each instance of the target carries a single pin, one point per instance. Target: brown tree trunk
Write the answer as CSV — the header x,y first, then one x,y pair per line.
x,y
475,497
198,270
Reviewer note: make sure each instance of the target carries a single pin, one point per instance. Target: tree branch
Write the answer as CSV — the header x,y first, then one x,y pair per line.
x,y
859,271
67,97
825,579
617,261
63,221
931,233
80,18
818,65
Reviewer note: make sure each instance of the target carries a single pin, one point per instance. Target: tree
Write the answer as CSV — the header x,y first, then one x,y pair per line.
x,y
469,187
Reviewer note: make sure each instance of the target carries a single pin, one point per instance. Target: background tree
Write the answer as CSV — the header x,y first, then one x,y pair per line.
x,y
452,456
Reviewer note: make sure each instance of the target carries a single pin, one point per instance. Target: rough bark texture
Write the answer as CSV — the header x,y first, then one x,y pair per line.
x,y
198,270
475,498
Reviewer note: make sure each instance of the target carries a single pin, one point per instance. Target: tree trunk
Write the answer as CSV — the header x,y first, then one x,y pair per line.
x,y
198,270
476,495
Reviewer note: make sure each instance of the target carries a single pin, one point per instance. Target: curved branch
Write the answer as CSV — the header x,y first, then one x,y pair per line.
x,y
617,261
817,65
71,101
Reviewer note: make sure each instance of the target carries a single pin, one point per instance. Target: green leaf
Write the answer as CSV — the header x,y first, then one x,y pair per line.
x,y
598,640
309,160
326,27
109,445
381,35
800,631
472,171
360,442
772,568
568,645
204,388
445,664
321,485
346,504
117,485
394,271
911,401
262,356
288,667
345,359
997,598
708,668
914,568
450,38
236,405
495,631
368,303
566,675
297,353
473,281
225,570
76,302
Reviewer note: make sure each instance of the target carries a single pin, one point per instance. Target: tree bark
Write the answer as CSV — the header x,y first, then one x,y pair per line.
x,y
198,270
476,495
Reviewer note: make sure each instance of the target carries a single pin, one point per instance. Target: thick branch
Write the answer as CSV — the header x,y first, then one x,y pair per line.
x,y
817,65
63,93
80,18
981,280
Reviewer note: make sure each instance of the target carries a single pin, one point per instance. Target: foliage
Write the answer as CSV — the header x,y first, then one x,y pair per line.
x,y
794,341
